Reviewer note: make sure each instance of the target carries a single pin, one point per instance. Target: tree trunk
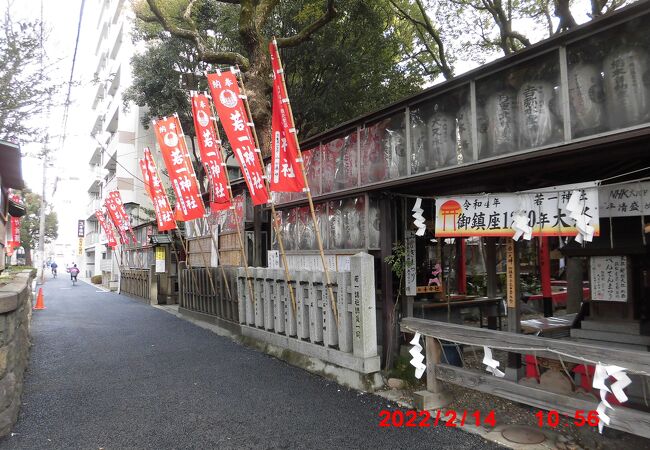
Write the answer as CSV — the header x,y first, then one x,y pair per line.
x,y
28,256
259,86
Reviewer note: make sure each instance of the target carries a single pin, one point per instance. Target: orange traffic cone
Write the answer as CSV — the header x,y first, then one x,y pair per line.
x,y
39,300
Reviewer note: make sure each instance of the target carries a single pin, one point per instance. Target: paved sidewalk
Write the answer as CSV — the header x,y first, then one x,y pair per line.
x,y
110,372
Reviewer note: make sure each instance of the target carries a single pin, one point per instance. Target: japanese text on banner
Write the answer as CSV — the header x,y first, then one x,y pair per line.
x,y
181,173
232,112
493,214
286,171
164,215
210,149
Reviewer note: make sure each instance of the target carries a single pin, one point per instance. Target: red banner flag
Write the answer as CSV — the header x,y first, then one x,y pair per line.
x,y
164,215
146,180
119,217
285,166
210,149
108,231
111,210
181,173
15,231
232,112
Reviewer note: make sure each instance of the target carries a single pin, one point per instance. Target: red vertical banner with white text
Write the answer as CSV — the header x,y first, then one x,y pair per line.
x,y
118,215
286,172
210,149
232,112
164,215
111,210
179,165
108,231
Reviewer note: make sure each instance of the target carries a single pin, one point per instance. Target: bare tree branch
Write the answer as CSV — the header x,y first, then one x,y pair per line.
x,y
192,35
306,32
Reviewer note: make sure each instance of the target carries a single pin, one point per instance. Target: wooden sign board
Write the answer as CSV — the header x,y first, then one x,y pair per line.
x,y
428,289
410,282
610,280
511,288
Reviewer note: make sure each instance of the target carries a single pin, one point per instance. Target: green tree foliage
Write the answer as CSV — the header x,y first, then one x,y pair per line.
x,y
208,26
448,31
24,88
29,224
350,67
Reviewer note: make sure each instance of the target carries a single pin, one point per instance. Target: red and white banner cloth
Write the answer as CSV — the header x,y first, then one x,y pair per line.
x,y
210,148
156,190
286,172
108,231
118,215
232,112
179,165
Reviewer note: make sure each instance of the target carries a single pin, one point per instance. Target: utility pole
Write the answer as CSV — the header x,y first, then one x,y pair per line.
x,y
41,227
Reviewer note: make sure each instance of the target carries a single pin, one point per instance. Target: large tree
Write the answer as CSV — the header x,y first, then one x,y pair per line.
x,y
352,66
25,88
29,225
448,31
249,51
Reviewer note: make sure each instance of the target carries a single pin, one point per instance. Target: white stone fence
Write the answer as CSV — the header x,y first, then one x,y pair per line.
x,y
313,330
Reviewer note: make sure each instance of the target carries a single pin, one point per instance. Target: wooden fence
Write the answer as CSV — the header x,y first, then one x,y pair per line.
x,y
622,418
135,282
196,293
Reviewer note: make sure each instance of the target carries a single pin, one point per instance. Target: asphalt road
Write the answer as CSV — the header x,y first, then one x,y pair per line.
x,y
110,372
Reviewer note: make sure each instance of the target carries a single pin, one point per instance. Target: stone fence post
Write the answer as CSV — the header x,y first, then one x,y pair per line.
x,y
364,322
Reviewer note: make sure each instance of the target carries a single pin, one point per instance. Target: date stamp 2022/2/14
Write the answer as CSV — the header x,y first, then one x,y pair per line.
x,y
425,419
451,418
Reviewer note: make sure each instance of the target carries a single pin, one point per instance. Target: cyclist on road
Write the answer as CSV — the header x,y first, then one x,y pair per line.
x,y
53,266
74,271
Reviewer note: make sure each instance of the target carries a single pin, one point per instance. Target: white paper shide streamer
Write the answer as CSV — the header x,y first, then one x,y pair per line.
x,y
418,357
419,218
573,207
491,364
601,375
521,227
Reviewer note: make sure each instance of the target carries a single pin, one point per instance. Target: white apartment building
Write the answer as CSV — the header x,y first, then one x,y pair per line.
x,y
118,137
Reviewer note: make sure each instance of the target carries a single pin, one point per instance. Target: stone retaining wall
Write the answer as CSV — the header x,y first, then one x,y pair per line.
x,y
15,316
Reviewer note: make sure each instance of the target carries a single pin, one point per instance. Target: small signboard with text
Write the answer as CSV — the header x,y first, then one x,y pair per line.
x,y
609,278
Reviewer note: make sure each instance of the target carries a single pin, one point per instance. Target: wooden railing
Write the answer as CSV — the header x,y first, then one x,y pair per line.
x,y
622,418
135,282
196,291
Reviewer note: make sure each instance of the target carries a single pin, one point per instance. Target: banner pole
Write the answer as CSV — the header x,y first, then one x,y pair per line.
x,y
268,188
244,258
312,210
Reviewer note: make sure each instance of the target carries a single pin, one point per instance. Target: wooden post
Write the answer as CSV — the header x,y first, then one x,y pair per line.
x,y
242,250
545,275
574,269
491,266
319,239
388,303
275,219
512,291
461,265
434,397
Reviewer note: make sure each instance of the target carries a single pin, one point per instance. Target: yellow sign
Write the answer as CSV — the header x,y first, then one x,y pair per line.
x,y
80,248
160,253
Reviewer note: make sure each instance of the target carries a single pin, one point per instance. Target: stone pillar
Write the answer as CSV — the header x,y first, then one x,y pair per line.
x,y
153,285
364,322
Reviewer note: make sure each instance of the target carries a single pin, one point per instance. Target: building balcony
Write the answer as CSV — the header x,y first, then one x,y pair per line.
x,y
91,239
116,39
